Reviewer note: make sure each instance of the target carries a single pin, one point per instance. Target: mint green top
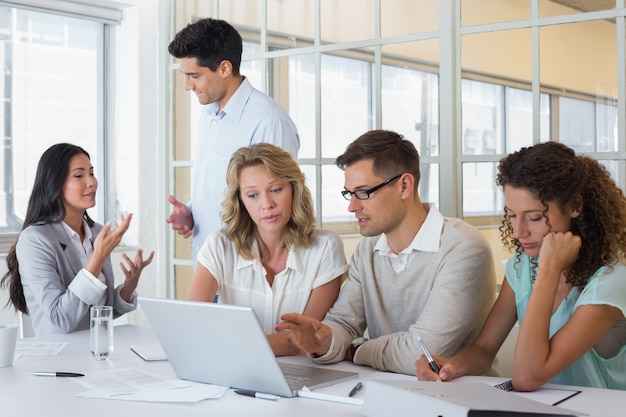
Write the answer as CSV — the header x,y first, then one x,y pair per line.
x,y
606,286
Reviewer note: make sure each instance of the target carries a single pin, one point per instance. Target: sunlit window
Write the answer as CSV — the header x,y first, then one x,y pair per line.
x,y
52,91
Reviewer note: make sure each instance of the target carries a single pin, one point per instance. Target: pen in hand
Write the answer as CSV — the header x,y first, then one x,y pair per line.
x,y
429,357
358,387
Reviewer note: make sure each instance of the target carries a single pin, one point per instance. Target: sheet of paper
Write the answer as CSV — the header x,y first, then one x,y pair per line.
x,y
340,392
126,381
38,348
191,394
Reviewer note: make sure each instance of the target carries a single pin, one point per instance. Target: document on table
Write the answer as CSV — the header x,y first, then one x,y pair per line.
x,y
550,396
340,392
133,384
148,353
39,348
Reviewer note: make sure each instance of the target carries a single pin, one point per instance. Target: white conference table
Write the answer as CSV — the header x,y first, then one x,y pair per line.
x,y
22,394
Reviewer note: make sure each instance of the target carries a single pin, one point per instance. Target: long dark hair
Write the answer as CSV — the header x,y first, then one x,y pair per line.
x,y
44,206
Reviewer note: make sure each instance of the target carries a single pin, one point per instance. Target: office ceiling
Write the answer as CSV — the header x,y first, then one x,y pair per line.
x,y
588,5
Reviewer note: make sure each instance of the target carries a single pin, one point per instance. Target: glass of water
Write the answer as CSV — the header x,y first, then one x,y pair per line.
x,y
101,332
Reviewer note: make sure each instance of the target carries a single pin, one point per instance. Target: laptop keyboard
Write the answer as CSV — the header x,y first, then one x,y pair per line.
x,y
296,380
296,376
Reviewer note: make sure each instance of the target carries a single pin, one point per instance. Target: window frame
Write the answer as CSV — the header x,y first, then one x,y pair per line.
x,y
449,33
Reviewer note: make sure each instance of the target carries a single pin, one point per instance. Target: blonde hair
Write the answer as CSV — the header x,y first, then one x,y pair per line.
x,y
240,228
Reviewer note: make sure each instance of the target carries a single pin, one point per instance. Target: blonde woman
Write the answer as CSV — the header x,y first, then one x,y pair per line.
x,y
269,256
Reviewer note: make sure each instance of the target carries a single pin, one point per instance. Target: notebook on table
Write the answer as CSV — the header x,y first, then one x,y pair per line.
x,y
225,345
451,399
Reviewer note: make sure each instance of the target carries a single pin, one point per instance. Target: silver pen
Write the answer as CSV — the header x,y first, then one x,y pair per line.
x,y
57,374
431,361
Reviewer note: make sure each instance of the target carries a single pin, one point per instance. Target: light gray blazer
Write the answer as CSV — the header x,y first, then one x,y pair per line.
x,y
48,263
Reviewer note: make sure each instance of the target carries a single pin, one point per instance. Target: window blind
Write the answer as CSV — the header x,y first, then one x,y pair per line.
x,y
104,11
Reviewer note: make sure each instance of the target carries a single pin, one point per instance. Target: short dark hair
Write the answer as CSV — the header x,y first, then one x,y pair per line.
x,y
390,152
210,41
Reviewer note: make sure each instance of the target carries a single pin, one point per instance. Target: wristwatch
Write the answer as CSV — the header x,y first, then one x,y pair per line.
x,y
354,345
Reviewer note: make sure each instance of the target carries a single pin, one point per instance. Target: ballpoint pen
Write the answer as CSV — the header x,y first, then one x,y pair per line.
x,y
431,361
257,395
59,374
358,387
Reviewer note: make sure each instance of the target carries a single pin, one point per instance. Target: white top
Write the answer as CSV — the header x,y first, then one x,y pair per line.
x,y
85,285
426,240
242,282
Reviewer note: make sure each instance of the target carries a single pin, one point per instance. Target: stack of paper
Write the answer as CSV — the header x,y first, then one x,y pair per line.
x,y
132,384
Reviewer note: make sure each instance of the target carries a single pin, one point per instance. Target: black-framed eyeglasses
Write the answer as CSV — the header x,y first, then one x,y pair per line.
x,y
365,194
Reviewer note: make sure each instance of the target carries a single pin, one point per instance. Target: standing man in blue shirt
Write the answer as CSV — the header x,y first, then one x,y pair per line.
x,y
234,115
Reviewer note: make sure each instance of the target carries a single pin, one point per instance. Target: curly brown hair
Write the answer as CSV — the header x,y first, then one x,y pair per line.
x,y
554,173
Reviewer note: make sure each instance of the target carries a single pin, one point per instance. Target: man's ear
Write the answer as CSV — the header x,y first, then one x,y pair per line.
x,y
407,182
225,68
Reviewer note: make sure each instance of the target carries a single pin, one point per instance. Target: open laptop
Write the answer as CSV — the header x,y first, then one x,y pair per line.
x,y
225,345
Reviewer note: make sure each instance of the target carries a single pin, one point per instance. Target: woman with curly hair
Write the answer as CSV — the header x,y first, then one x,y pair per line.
x,y
269,255
565,219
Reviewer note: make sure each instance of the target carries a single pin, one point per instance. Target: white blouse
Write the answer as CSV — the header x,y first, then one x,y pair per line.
x,y
242,282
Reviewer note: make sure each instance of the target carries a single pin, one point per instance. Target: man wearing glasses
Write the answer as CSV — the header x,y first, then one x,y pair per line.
x,y
414,272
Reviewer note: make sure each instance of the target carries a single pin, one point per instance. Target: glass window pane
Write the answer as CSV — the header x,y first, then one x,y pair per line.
x,y
481,196
309,174
491,63
577,124
410,96
51,94
346,20
579,62
545,118
549,8
294,17
482,118
245,13
480,12
302,101
402,17
346,95
429,183
334,206
606,127
252,69
519,118
505,55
